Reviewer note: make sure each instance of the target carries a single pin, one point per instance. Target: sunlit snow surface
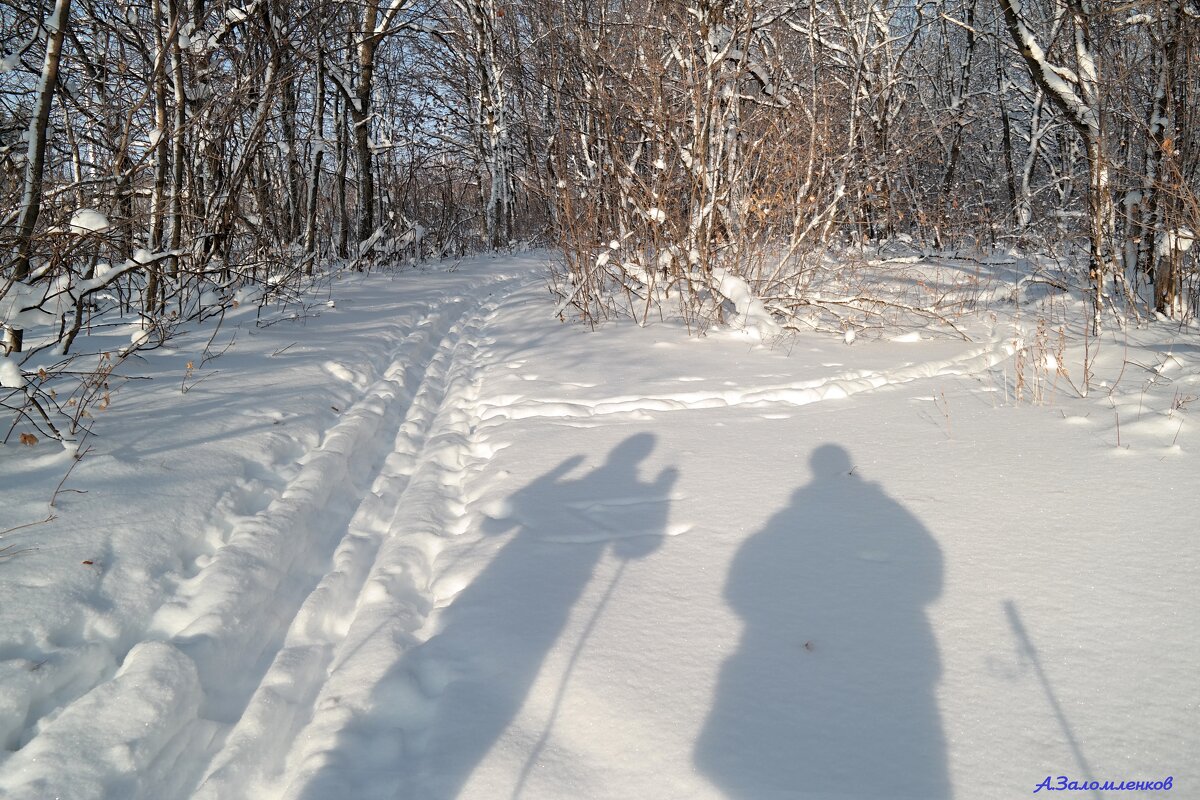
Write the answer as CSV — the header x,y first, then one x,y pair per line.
x,y
428,542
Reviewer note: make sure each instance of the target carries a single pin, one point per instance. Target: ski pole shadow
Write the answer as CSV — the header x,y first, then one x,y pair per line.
x,y
831,692
1029,653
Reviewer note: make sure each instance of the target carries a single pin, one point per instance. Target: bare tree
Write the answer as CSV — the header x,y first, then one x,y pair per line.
x,y
31,197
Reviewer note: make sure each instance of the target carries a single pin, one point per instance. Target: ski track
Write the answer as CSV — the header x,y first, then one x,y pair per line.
x,y
339,541
203,663
377,594
800,393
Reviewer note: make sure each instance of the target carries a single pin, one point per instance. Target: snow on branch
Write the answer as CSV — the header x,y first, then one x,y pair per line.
x,y
1058,82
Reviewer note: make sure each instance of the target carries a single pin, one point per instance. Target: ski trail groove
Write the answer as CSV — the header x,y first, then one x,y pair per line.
x,y
173,696
364,712
375,594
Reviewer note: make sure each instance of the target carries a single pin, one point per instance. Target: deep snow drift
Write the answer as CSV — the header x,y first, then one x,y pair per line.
x,y
425,541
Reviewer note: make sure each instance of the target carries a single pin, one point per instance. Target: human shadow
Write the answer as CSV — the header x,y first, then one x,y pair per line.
x,y
831,693
475,672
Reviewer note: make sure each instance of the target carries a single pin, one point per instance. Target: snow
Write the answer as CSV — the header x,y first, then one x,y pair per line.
x,y
1179,240
88,219
10,374
436,544
26,306
1059,80
753,316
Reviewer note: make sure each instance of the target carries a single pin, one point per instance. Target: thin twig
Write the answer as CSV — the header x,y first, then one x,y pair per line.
x,y
206,356
8,552
187,388
75,459
6,531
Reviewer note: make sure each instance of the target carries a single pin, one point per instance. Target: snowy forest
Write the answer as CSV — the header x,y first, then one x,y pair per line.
x,y
595,400
155,158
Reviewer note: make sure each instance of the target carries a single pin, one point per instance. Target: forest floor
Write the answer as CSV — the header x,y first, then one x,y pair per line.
x,y
420,539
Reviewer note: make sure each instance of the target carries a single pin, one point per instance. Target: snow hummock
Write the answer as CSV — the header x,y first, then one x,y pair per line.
x,y
26,305
911,336
753,316
88,219
10,374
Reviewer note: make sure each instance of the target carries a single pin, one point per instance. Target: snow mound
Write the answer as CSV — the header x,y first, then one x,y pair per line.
x,y
753,316
89,220
10,374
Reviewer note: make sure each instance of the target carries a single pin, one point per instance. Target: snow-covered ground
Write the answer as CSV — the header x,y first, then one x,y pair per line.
x,y
427,542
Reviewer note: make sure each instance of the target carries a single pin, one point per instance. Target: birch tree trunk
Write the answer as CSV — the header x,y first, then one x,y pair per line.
x,y
491,115
1156,256
314,182
31,197
360,115
1078,96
